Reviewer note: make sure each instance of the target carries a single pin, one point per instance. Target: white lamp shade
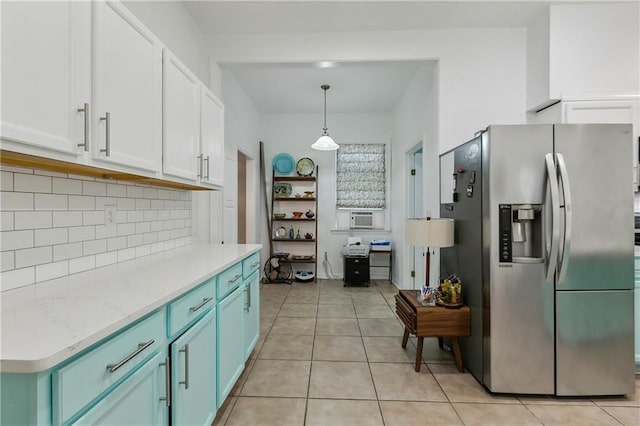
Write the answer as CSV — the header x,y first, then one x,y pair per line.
x,y
325,143
429,232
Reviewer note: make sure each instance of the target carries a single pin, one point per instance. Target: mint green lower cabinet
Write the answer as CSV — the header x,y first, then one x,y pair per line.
x,y
136,401
231,356
25,399
251,313
193,374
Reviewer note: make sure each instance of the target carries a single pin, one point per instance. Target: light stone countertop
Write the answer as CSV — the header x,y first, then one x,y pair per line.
x,y
46,323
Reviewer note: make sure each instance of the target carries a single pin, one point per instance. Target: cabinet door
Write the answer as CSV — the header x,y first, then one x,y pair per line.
x,y
128,89
181,116
137,401
212,137
251,313
46,72
193,376
230,342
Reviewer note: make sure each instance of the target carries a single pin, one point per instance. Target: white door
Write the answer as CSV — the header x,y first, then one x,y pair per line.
x,y
46,73
212,137
181,118
128,89
230,194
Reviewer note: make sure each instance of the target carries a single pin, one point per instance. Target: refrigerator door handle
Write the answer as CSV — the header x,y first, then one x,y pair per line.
x,y
555,217
566,192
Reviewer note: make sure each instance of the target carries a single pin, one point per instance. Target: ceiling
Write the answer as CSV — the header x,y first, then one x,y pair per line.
x,y
355,87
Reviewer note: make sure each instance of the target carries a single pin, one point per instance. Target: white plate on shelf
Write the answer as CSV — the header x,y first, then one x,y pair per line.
x,y
281,232
305,166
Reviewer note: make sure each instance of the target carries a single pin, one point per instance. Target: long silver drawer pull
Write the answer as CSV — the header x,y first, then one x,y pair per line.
x,y
253,265
249,297
247,304
167,378
86,126
107,120
207,160
141,347
236,278
204,302
186,367
200,168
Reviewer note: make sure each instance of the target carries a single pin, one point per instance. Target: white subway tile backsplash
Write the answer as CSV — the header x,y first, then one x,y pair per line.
x,y
7,261
13,240
16,201
135,216
51,202
67,251
6,221
6,181
116,243
31,183
67,219
126,254
17,278
33,256
93,218
32,220
108,258
94,188
51,236
82,264
80,202
94,246
49,271
54,224
114,190
135,192
82,233
67,186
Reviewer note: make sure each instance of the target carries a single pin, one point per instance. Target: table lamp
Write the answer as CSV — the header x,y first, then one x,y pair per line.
x,y
429,233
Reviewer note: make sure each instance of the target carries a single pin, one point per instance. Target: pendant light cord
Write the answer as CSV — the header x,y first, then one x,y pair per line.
x,y
325,87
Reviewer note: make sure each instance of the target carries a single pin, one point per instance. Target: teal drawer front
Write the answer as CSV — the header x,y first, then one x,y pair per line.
x,y
78,383
191,306
250,265
229,279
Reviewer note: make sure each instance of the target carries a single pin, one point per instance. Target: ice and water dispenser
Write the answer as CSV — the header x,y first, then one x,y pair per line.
x,y
521,233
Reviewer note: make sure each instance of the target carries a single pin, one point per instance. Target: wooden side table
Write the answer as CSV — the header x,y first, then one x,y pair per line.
x,y
432,321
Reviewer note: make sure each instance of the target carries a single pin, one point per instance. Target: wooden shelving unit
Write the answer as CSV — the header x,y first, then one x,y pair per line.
x,y
296,247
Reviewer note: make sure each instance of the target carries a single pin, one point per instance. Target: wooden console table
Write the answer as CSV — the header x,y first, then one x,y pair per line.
x,y
432,321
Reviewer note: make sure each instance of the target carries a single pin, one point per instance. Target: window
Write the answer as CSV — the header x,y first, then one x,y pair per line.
x,y
361,176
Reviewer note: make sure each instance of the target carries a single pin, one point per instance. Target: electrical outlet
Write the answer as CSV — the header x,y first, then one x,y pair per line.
x,y
109,216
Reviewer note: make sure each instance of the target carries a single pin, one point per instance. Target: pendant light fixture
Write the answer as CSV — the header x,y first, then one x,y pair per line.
x,y
325,142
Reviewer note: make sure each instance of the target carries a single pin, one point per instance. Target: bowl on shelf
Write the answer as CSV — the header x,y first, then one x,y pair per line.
x,y
279,215
297,215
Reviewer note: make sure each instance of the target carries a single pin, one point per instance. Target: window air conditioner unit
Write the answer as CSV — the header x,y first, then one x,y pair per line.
x,y
361,220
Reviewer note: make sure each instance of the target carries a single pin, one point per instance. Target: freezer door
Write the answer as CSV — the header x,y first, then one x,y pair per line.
x,y
594,343
597,253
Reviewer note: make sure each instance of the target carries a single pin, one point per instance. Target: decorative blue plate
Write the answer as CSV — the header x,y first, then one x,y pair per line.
x,y
283,164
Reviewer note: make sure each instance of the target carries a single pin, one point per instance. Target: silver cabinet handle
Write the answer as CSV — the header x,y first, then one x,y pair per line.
x,y
107,120
234,279
200,166
255,265
204,302
86,126
167,378
249,296
246,305
141,347
207,160
186,367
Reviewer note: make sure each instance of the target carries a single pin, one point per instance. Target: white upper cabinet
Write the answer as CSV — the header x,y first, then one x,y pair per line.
x,y
181,120
46,72
212,138
128,89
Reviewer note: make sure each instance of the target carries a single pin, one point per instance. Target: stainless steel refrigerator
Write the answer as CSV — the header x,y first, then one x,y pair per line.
x,y
544,248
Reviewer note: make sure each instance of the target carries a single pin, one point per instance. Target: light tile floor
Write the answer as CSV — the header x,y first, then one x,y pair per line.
x,y
330,355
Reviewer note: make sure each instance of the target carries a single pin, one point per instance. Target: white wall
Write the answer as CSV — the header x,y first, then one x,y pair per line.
x,y
482,71
414,120
294,134
176,28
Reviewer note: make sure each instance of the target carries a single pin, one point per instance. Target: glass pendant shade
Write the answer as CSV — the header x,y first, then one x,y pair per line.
x,y
325,142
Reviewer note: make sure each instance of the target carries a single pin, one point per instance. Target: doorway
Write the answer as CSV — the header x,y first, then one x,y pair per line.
x,y
415,208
